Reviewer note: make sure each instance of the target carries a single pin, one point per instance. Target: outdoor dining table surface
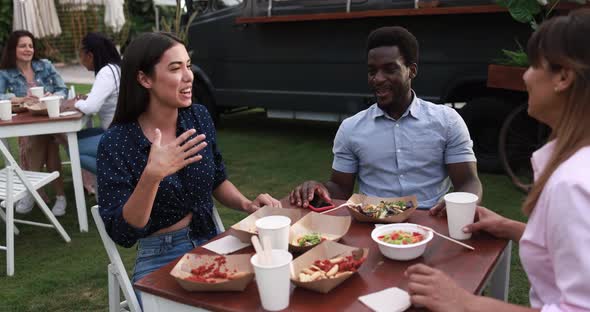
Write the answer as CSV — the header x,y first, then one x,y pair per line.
x,y
26,124
468,268
28,118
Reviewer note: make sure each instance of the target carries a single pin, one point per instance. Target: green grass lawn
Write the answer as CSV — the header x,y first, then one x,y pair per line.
x,y
262,155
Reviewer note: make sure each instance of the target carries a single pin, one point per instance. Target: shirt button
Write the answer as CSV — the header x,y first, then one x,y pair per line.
x,y
401,175
397,125
399,150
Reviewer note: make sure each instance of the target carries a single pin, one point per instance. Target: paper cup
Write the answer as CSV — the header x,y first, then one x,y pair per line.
x,y
5,110
37,91
460,212
52,104
276,228
273,280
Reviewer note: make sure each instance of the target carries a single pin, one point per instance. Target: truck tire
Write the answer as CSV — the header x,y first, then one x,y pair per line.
x,y
484,117
202,95
520,136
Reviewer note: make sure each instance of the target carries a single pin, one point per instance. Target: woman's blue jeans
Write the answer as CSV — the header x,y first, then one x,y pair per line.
x,y
153,252
88,140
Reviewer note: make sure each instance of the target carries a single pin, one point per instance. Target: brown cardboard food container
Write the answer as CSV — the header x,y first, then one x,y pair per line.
x,y
367,200
234,263
37,108
330,227
19,108
247,227
325,250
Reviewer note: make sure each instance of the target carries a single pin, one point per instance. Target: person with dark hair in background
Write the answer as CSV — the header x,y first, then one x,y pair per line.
x,y
98,54
402,145
554,241
159,164
20,69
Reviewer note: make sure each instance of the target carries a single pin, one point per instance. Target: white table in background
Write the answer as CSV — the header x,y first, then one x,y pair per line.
x,y
25,124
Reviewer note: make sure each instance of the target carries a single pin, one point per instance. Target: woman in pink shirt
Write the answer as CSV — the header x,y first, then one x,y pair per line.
x,y
555,243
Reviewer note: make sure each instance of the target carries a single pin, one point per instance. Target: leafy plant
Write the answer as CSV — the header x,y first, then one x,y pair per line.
x,y
175,25
5,20
532,12
517,58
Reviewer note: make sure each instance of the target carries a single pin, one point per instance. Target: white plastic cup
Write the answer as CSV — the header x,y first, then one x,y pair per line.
x,y
52,103
5,110
72,92
37,91
276,228
273,280
460,212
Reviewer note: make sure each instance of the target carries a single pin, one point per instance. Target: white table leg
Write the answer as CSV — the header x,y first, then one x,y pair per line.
x,y
77,179
153,303
5,142
9,224
500,279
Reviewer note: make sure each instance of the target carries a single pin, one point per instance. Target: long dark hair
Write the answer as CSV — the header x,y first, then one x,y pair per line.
x,y
142,54
9,55
563,43
103,50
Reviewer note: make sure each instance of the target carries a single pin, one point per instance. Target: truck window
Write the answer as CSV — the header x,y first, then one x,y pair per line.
x,y
222,4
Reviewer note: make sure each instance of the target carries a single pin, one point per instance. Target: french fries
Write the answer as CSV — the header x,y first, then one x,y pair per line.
x,y
329,269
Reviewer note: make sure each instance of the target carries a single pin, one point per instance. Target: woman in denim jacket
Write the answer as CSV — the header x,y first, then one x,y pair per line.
x,y
20,69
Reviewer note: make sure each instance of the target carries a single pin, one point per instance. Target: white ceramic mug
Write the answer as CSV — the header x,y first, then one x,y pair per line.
x,y
5,110
37,91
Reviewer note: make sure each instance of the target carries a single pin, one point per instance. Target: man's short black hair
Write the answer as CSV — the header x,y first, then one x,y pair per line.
x,y
395,36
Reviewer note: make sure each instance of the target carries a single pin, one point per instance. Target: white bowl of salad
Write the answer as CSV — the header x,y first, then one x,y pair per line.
x,y
401,241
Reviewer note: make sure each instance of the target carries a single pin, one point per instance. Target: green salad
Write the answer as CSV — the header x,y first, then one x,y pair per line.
x,y
309,240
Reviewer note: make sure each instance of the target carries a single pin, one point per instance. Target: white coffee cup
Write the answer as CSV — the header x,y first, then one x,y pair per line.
x,y
460,212
37,91
52,103
276,228
273,280
5,110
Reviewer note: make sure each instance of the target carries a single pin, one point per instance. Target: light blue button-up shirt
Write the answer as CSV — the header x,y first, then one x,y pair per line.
x,y
13,83
403,157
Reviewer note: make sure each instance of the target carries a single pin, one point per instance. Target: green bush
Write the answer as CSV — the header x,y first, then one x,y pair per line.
x,y
5,20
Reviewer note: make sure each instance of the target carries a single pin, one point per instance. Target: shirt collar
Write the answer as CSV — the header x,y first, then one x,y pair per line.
x,y
37,66
413,110
14,72
181,122
541,157
181,127
142,140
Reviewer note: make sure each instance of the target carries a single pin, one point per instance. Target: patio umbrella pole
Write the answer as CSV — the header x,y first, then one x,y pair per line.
x,y
22,13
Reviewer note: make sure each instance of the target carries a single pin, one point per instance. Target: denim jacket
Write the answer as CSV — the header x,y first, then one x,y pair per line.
x,y
13,82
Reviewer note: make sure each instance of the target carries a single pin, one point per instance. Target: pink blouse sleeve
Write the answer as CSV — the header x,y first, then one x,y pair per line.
x,y
568,242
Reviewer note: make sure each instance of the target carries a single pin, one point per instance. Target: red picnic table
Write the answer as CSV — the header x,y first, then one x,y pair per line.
x,y
473,270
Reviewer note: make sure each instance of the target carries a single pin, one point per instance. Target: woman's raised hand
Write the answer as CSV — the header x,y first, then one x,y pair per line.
x,y
167,159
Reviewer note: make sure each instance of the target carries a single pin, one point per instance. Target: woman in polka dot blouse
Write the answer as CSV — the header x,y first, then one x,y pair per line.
x,y
159,164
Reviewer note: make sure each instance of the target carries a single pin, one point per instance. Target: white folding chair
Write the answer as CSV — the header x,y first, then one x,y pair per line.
x,y
118,278
15,184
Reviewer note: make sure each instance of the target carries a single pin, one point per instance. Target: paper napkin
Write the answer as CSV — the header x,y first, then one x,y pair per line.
x,y
226,245
387,300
